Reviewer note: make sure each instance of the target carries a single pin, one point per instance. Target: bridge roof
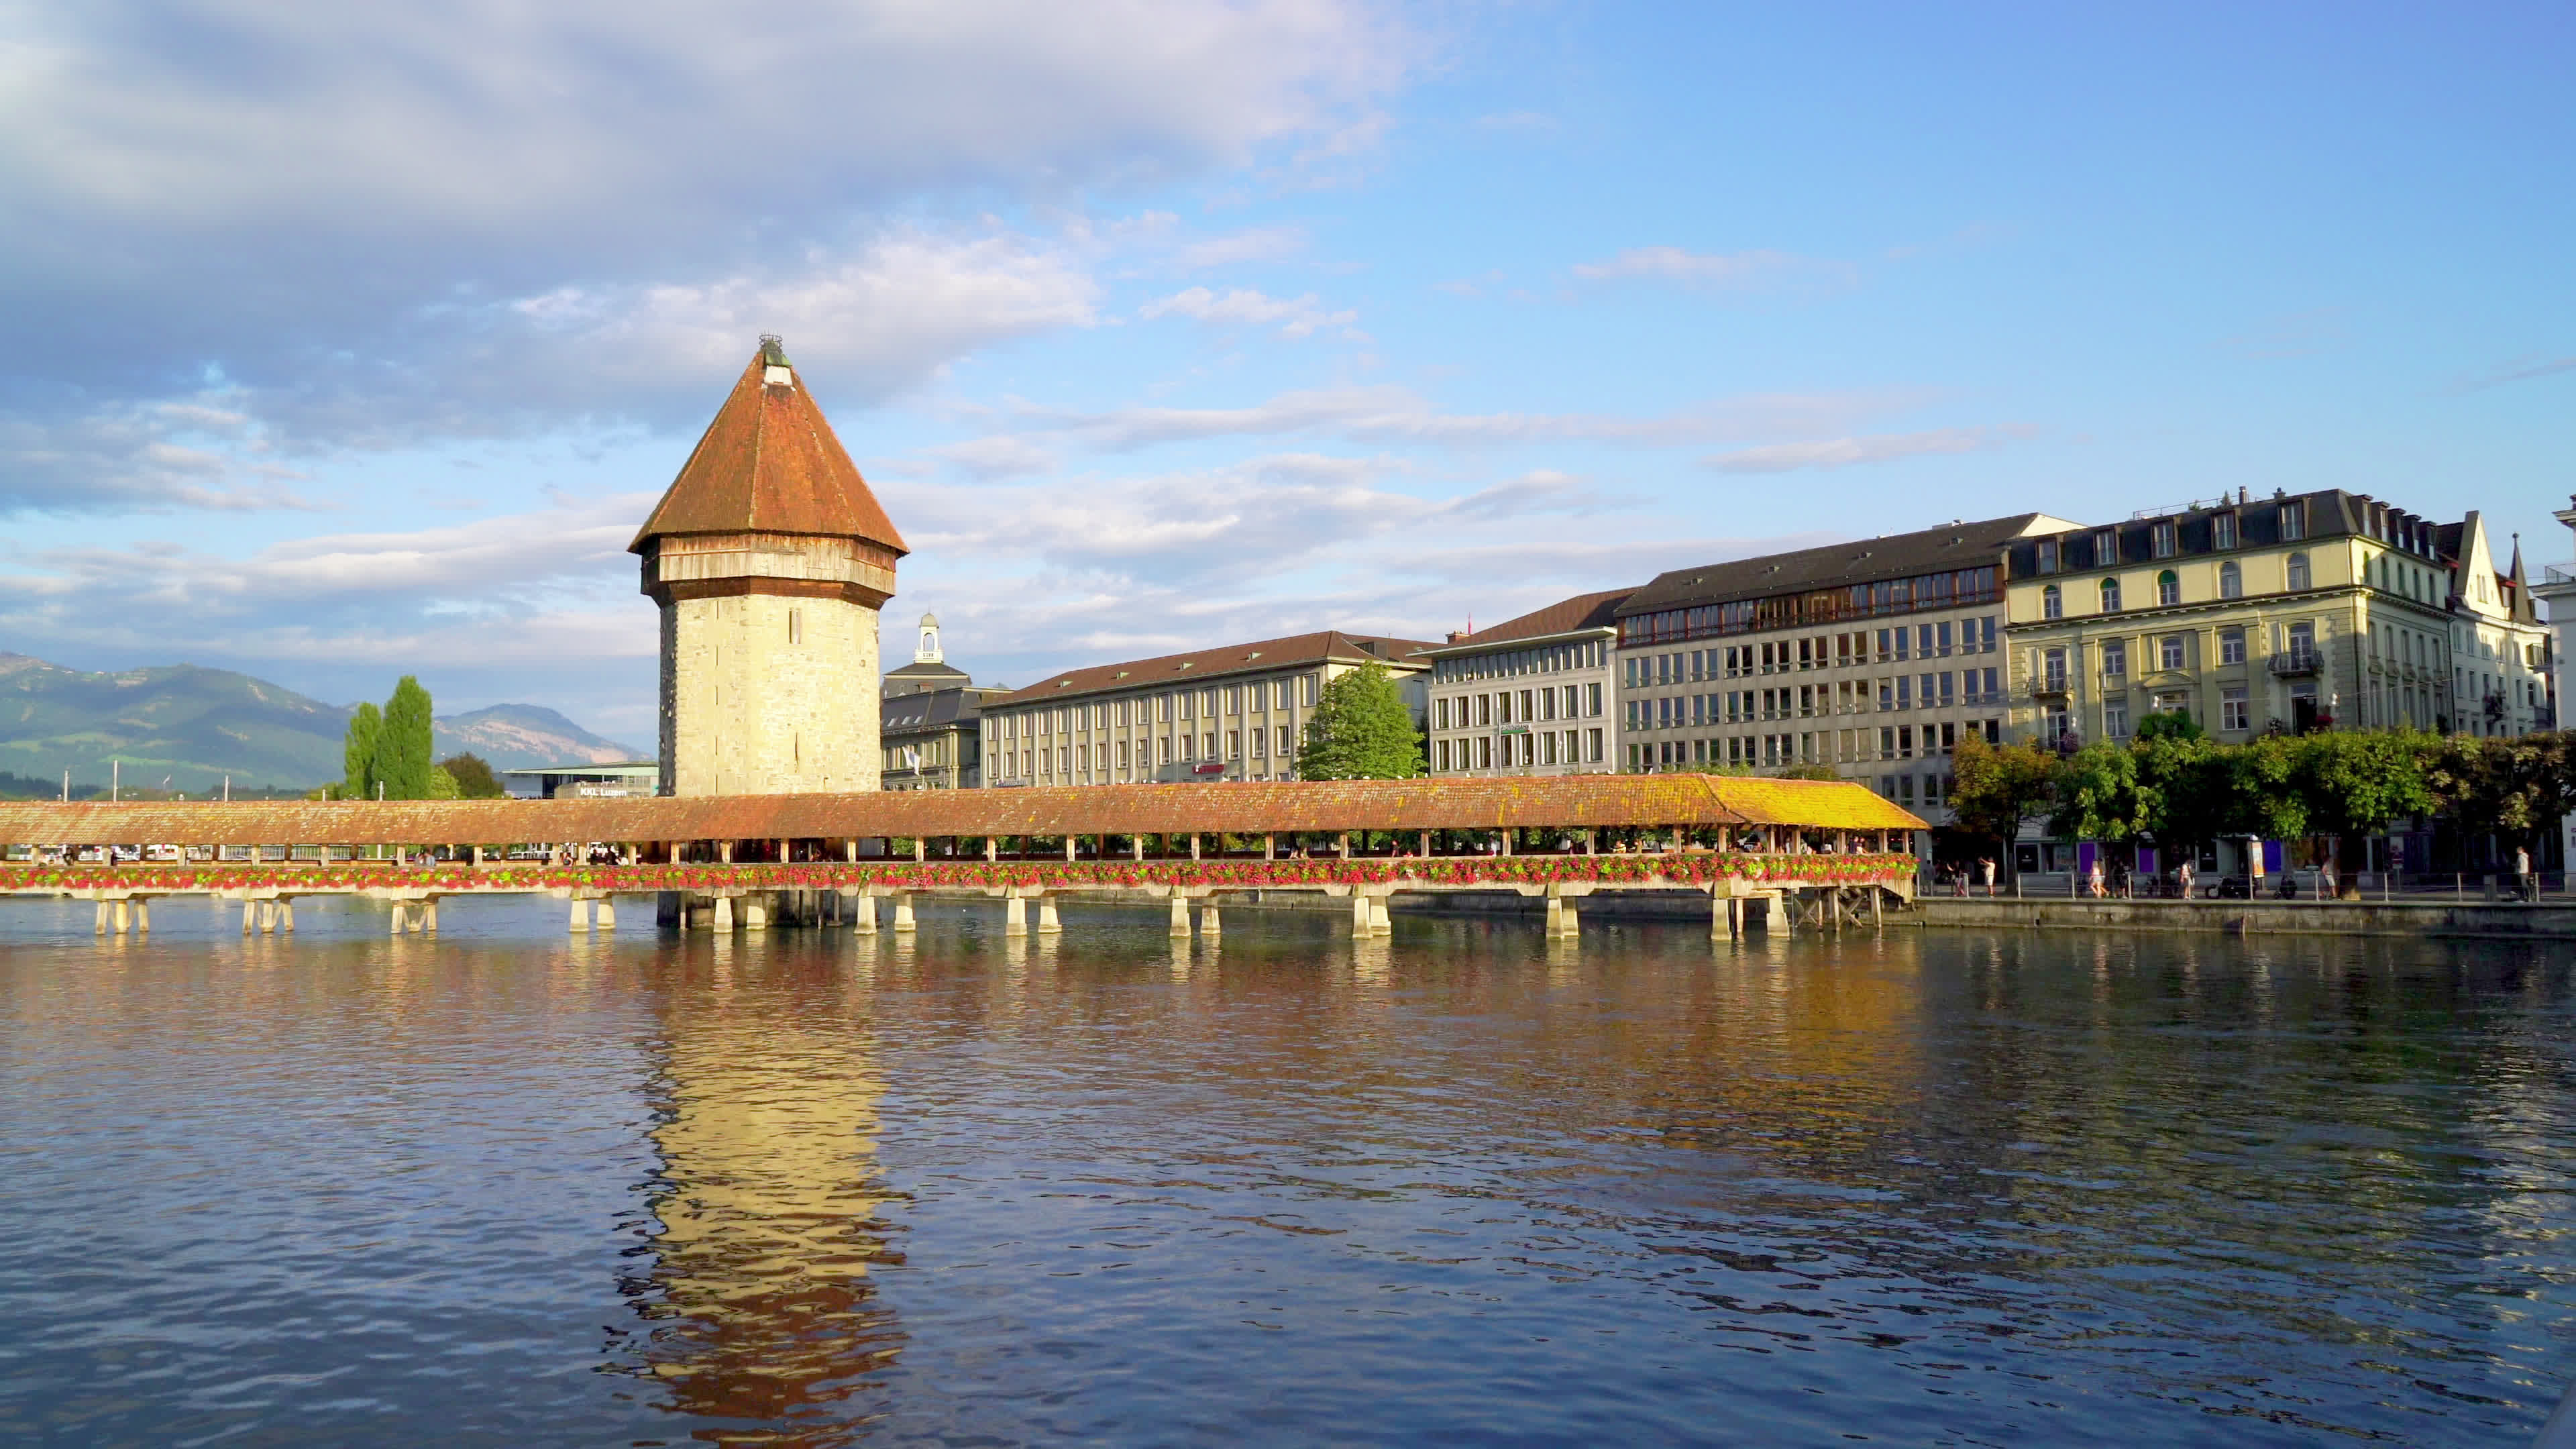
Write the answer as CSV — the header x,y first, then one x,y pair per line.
x,y
1567,801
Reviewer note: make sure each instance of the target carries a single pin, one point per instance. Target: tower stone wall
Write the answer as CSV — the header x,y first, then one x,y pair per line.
x,y
769,558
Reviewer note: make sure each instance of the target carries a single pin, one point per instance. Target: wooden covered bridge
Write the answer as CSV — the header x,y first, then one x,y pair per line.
x,y
1761,850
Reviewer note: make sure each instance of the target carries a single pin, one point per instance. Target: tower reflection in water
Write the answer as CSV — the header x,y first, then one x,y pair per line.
x,y
759,1311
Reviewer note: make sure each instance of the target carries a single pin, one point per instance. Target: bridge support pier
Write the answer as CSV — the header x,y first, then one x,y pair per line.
x,y
286,916
580,915
399,908
1360,925
428,916
607,914
99,926
724,913
867,918
903,912
1048,925
1209,925
1180,916
1555,916
1015,915
250,916
124,917
1378,923
143,917
755,911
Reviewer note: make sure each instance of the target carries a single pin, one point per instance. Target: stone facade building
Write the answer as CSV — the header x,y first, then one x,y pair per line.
x,y
2306,611
1870,657
1231,713
769,558
1530,696
932,730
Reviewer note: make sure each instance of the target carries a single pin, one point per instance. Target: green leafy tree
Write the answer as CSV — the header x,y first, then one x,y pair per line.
x,y
2264,798
473,776
358,753
443,786
2356,782
403,749
2187,775
1999,788
2515,788
2168,724
1361,730
2100,796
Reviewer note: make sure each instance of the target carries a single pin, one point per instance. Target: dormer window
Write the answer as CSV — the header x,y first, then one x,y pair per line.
x,y
2222,530
2048,555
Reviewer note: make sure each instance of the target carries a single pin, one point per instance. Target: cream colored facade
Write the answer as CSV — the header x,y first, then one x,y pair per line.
x,y
2325,609
1234,713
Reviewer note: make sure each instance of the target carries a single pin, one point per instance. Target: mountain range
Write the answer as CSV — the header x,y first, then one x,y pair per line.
x,y
196,726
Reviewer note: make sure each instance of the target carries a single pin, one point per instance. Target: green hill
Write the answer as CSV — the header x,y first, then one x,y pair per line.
x,y
195,726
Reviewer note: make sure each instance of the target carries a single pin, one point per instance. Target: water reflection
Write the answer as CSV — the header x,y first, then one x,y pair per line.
x,y
762,1309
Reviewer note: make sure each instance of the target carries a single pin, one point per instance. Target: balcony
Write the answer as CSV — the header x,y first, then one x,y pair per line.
x,y
2049,686
2298,663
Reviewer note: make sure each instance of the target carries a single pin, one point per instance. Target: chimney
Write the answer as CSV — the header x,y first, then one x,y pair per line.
x,y
1457,636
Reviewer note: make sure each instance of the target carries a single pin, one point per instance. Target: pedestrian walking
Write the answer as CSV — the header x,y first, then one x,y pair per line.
x,y
2185,875
1986,868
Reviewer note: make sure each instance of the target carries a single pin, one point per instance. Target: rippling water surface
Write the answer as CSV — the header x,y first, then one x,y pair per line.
x,y
1932,1188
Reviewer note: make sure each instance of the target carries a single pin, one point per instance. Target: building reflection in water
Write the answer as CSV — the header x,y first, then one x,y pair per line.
x,y
759,1310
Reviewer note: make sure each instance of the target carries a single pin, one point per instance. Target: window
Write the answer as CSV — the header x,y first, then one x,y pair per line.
x,y
2106,549
2161,536
2231,580
2110,596
2115,659
1305,690
2052,669
2233,713
1439,754
2298,567
1279,694
2052,604
2169,652
2303,642
2048,555
2294,521
2115,719
2222,530
2168,589
2231,646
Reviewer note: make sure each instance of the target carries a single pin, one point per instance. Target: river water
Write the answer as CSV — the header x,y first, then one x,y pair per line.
x,y
509,1187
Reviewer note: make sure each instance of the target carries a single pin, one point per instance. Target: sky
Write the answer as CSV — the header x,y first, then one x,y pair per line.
x,y
347,340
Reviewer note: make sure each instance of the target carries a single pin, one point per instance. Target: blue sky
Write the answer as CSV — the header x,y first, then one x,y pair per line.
x,y
346,341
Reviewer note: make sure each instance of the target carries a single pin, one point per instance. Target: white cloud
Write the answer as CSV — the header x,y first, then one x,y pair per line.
x,y
1877,448
1001,456
885,317
1391,413
1243,307
1715,272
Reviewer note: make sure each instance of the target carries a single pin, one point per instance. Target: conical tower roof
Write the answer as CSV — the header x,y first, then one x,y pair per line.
x,y
769,463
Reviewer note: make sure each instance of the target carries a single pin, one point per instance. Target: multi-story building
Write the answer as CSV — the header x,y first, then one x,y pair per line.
x,y
2502,663
1530,696
2300,612
931,717
1234,713
1872,657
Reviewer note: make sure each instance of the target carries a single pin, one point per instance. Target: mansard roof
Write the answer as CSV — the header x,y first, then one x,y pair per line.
x,y
769,463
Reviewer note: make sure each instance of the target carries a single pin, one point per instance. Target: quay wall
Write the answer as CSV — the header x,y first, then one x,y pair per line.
x,y
2548,919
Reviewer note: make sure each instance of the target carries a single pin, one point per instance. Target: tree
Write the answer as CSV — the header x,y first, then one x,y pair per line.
x,y
473,776
1361,730
2000,787
443,786
2168,724
402,750
2187,775
2263,795
2100,797
2354,783
358,754
1794,772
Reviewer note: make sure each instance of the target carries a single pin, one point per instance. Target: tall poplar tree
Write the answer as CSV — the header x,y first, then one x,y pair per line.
x,y
403,749
1361,730
358,754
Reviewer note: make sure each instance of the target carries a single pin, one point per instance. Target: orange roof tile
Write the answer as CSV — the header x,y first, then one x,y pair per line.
x,y
1173,670
1564,801
1583,611
769,463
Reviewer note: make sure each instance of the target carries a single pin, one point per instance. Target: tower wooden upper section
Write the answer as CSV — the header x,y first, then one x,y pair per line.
x,y
769,503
